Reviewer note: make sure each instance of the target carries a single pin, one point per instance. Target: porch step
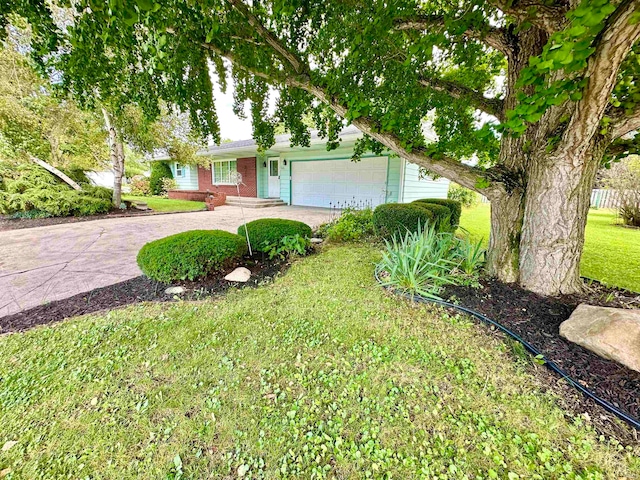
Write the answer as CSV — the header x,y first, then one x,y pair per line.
x,y
251,202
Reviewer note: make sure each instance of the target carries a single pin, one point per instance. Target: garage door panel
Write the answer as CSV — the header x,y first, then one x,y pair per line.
x,y
323,183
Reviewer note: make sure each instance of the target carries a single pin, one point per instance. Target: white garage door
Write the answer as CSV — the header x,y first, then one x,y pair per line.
x,y
322,183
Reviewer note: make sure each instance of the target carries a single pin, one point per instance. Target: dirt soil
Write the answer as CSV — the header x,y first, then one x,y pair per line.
x,y
8,223
136,290
537,320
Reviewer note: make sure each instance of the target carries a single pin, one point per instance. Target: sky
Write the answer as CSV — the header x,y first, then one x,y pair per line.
x,y
231,127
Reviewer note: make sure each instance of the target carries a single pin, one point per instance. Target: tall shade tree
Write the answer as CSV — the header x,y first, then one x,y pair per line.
x,y
542,92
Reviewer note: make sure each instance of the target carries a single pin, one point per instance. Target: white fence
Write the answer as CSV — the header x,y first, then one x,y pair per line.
x,y
603,198
600,198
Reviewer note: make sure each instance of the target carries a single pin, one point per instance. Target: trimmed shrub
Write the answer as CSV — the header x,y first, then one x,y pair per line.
x,y
391,219
441,214
159,171
454,207
190,255
269,231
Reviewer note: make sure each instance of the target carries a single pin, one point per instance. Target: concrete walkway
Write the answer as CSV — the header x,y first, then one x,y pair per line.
x,y
39,265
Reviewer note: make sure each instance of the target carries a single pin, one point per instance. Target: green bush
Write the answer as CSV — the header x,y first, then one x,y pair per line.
x,y
267,231
466,197
454,207
425,261
288,246
391,219
190,255
159,171
33,188
351,226
441,214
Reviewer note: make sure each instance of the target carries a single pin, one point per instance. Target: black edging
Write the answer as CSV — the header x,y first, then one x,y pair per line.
x,y
632,421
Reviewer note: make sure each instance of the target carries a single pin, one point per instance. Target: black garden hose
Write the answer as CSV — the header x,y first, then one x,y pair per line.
x,y
634,422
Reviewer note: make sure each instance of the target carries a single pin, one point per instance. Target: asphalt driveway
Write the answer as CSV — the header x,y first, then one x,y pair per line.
x,y
43,264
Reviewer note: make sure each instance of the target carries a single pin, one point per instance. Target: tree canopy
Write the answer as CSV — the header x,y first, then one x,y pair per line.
x,y
34,121
540,91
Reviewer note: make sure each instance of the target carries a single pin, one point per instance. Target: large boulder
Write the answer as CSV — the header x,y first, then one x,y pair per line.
x,y
612,333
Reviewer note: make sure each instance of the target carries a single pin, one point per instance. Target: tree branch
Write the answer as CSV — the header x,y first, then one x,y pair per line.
x,y
496,37
623,122
447,167
551,18
291,58
621,147
492,106
612,47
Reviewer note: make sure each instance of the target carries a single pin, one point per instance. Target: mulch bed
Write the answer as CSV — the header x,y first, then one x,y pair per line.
x,y
8,223
537,320
136,290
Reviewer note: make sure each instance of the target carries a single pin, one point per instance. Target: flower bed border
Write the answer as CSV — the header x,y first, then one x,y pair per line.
x,y
627,418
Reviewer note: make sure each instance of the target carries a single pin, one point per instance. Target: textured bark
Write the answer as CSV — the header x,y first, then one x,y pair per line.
x,y
503,255
61,175
116,154
507,209
556,208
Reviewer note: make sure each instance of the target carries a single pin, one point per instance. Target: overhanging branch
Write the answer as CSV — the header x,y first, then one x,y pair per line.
x,y
612,47
492,106
495,37
290,57
548,16
625,122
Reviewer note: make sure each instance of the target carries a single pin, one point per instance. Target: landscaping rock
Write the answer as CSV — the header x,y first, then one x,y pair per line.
x,y
316,240
140,206
174,290
240,274
612,333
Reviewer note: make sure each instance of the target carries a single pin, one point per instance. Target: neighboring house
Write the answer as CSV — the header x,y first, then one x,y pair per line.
x,y
309,176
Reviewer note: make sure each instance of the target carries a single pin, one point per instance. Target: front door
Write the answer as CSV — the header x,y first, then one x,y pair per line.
x,y
274,178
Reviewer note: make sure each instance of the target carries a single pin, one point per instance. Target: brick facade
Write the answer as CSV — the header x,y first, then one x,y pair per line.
x,y
246,166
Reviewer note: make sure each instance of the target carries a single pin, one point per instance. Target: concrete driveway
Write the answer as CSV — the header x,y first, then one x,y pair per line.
x,y
39,265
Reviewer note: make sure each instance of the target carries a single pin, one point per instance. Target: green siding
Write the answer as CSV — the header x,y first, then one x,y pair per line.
x,y
190,179
262,178
285,179
416,187
394,168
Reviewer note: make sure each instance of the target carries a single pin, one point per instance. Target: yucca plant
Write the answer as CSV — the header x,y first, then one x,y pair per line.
x,y
470,255
420,262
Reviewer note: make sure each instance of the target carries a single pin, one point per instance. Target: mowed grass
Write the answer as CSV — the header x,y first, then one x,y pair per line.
x,y
318,375
611,252
160,204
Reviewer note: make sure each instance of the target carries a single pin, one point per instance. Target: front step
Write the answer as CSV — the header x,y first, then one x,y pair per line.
x,y
252,202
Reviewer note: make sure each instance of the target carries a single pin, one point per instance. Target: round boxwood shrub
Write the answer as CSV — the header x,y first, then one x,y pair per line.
x,y
454,206
190,255
271,230
159,171
441,214
390,219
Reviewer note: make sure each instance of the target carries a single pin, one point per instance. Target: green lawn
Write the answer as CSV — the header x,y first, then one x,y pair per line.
x,y
319,375
160,204
611,252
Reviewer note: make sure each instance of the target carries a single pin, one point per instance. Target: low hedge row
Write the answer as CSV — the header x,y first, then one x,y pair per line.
x,y
268,231
397,218
454,206
392,219
190,255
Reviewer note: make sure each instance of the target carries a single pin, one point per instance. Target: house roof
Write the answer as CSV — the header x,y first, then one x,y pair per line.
x,y
248,147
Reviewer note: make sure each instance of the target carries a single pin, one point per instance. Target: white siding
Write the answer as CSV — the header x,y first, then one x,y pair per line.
x,y
415,187
189,181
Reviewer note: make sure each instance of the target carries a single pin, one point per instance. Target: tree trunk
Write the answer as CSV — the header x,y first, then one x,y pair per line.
x,y
116,153
507,209
556,207
503,255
